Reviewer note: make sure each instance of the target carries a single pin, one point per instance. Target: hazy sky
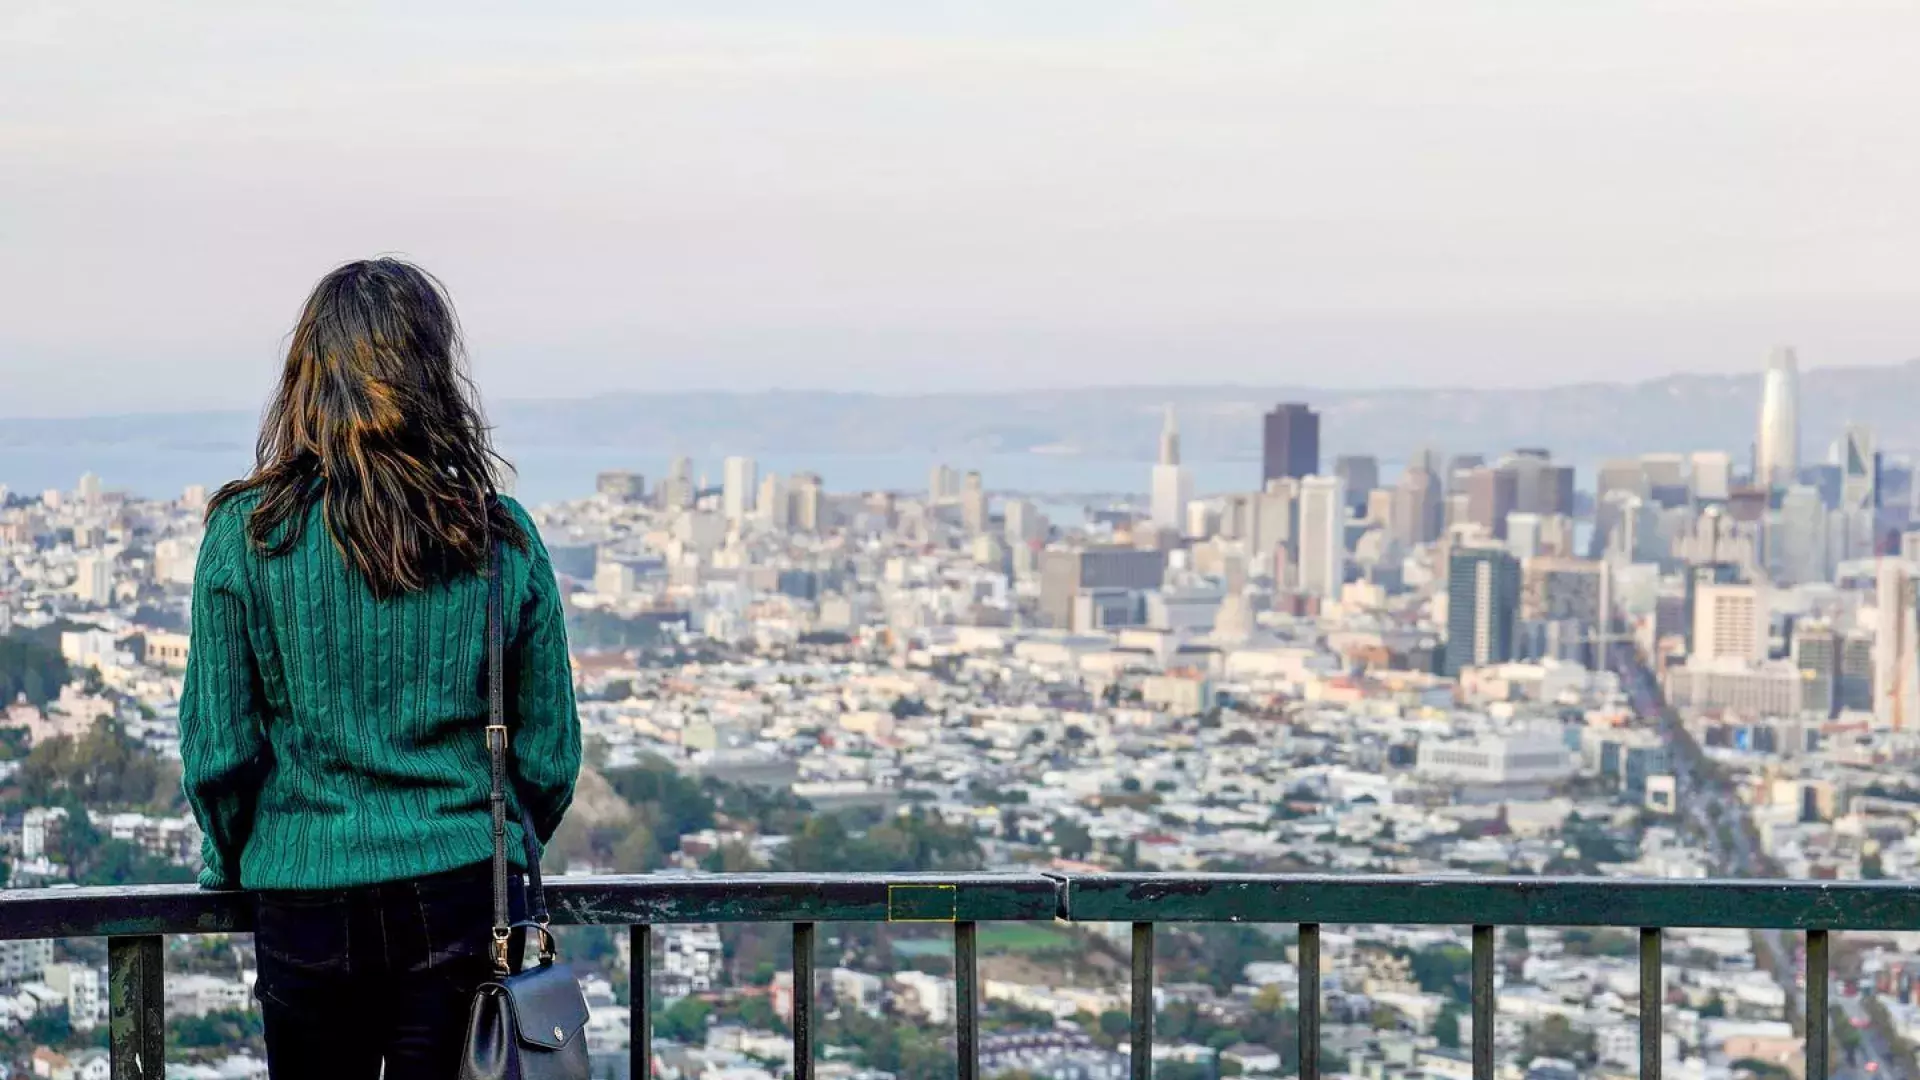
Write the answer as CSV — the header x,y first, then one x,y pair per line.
x,y
912,195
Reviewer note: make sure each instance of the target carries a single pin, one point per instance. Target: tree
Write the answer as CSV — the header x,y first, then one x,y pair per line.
x,y
1072,838
1446,1028
684,1021
31,667
1555,1037
1444,970
1516,938
104,768
1115,1024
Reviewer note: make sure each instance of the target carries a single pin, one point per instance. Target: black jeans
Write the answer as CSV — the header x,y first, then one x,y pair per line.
x,y
353,978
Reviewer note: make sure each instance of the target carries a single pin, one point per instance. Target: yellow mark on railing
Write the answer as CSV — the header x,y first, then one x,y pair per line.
x,y
923,903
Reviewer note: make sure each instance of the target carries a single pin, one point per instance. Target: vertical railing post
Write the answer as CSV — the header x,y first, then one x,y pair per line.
x,y
1309,970
1483,1003
1817,1019
966,998
136,1008
803,1001
1653,995
1142,1032
640,1001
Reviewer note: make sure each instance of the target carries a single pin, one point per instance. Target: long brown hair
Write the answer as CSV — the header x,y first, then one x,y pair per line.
x,y
376,420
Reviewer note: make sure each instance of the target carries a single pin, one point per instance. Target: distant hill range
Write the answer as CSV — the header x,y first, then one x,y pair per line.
x,y
1582,423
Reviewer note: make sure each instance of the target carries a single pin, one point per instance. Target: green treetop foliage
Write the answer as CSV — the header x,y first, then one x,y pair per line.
x,y
30,666
104,769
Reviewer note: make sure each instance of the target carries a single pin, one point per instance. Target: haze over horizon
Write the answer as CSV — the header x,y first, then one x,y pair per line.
x,y
865,196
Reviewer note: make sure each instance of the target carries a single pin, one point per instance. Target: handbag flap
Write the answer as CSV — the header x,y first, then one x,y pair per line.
x,y
548,1008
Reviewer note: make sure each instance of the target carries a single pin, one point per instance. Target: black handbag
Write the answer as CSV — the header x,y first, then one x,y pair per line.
x,y
524,1025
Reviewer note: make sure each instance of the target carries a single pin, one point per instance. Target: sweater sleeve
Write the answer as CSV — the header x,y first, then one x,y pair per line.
x,y
223,751
546,738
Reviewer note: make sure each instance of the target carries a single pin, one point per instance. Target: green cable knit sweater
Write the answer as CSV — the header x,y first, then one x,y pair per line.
x,y
330,738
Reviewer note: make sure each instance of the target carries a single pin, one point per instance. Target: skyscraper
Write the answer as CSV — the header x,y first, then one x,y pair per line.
x,y
943,485
1323,541
773,506
1491,496
1172,484
973,504
808,495
1540,486
1777,463
677,492
739,483
1272,521
1730,622
1359,474
1859,469
1712,474
1797,545
1291,443
1896,653
1483,601
1417,507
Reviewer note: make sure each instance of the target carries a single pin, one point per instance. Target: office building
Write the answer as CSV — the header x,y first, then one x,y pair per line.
x,y
1359,474
677,491
1712,474
1573,596
1797,546
1756,688
1483,603
1540,486
1290,447
1523,535
1777,463
1024,523
1492,494
1856,672
1068,574
740,481
1172,483
1418,504
1556,535
943,485
774,506
1696,575
1816,654
973,504
1323,537
1896,682
1273,520
809,495
1666,478
1729,623
1859,470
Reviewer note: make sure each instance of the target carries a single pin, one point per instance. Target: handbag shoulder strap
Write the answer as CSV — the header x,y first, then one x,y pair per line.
x,y
497,767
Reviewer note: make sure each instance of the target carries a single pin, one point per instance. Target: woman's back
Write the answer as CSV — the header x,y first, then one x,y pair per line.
x,y
337,732
370,711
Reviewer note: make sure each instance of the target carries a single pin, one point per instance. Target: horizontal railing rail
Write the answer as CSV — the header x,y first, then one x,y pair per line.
x,y
136,918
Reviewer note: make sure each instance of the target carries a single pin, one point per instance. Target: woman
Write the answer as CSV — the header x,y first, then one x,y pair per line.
x,y
332,729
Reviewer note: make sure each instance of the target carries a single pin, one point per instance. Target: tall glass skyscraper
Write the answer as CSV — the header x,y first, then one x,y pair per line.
x,y
1778,462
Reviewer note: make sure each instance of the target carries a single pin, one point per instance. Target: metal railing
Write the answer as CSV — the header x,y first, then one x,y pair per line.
x,y
135,919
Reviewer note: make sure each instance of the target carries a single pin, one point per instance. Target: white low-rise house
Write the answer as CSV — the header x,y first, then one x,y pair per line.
x,y
85,991
930,995
692,953
198,995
